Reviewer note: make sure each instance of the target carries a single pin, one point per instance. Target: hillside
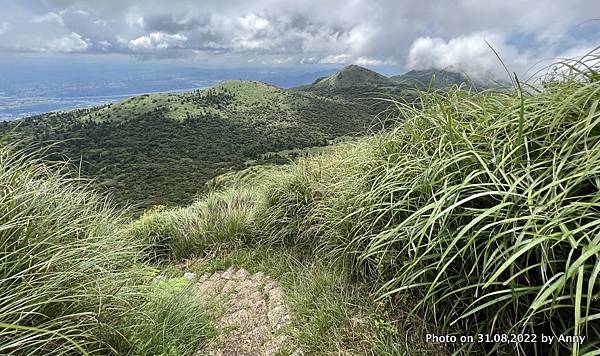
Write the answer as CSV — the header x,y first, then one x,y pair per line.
x,y
468,215
351,76
433,78
360,85
439,79
161,148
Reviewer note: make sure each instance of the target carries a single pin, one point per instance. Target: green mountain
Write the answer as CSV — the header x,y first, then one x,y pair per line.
x,y
351,76
439,79
433,78
362,85
162,148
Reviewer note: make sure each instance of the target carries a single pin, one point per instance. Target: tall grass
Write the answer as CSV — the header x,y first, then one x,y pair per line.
x,y
221,218
63,268
482,207
70,282
485,206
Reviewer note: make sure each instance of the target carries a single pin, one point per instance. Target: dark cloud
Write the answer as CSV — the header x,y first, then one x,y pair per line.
x,y
410,34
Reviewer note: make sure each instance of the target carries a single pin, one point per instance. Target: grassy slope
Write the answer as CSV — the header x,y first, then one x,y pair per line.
x,y
361,85
434,79
480,212
161,148
71,282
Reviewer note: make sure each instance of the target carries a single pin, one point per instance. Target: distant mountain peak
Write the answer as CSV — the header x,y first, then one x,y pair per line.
x,y
434,78
352,75
442,78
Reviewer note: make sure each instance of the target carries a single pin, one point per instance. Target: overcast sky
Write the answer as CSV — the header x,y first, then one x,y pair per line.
x,y
407,34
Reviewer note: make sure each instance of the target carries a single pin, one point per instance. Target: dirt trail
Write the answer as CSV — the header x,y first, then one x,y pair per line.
x,y
254,313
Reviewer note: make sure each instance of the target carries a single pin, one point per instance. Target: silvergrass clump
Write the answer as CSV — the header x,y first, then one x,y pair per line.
x,y
71,281
221,218
65,272
485,206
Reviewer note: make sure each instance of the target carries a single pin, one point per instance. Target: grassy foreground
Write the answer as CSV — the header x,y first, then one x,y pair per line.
x,y
479,213
71,282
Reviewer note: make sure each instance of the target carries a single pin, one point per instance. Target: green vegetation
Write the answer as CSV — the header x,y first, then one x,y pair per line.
x,y
352,76
361,85
480,211
430,79
160,149
434,79
70,281
223,217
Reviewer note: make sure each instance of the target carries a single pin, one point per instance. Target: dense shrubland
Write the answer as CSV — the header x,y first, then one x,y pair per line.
x,y
160,149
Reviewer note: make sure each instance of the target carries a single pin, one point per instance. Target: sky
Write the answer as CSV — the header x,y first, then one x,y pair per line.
x,y
442,34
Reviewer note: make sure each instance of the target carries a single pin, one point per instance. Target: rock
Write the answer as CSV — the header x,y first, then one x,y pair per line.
x,y
229,273
258,277
241,274
204,277
189,276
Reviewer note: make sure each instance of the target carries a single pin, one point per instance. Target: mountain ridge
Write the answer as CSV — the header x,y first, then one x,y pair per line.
x,y
190,137
160,149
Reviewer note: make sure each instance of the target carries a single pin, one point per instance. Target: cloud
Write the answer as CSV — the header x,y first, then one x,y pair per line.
x,y
67,44
157,41
436,33
5,27
470,53
366,61
336,59
485,55
50,17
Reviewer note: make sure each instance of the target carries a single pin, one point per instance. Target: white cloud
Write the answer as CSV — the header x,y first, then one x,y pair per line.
x,y
368,61
158,40
252,22
50,17
68,43
5,27
336,59
469,53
